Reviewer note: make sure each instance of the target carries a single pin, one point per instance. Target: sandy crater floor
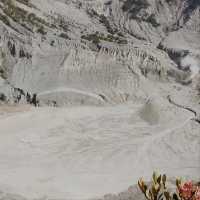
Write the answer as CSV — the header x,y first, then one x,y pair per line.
x,y
86,152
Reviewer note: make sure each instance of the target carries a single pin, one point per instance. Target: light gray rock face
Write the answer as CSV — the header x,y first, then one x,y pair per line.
x,y
97,47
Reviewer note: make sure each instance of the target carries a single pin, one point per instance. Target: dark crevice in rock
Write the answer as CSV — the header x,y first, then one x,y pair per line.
x,y
196,120
23,54
12,49
103,97
3,97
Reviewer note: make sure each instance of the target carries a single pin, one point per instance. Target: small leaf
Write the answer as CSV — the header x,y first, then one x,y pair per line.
x,y
140,182
142,185
155,177
148,194
145,187
178,182
153,190
157,187
159,179
151,195
164,178
167,195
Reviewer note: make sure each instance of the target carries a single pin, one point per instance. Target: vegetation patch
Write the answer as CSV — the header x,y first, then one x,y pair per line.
x,y
21,16
97,37
65,36
158,190
4,19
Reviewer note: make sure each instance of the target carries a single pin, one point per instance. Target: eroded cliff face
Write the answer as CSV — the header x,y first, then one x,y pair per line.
x,y
96,49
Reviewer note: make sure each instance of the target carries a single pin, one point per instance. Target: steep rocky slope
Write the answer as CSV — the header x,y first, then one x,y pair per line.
x,y
44,45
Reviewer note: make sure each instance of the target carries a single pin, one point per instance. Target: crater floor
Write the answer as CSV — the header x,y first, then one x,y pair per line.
x,y
85,152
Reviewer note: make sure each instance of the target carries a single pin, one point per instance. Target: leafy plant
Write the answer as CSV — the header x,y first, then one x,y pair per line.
x,y
157,190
